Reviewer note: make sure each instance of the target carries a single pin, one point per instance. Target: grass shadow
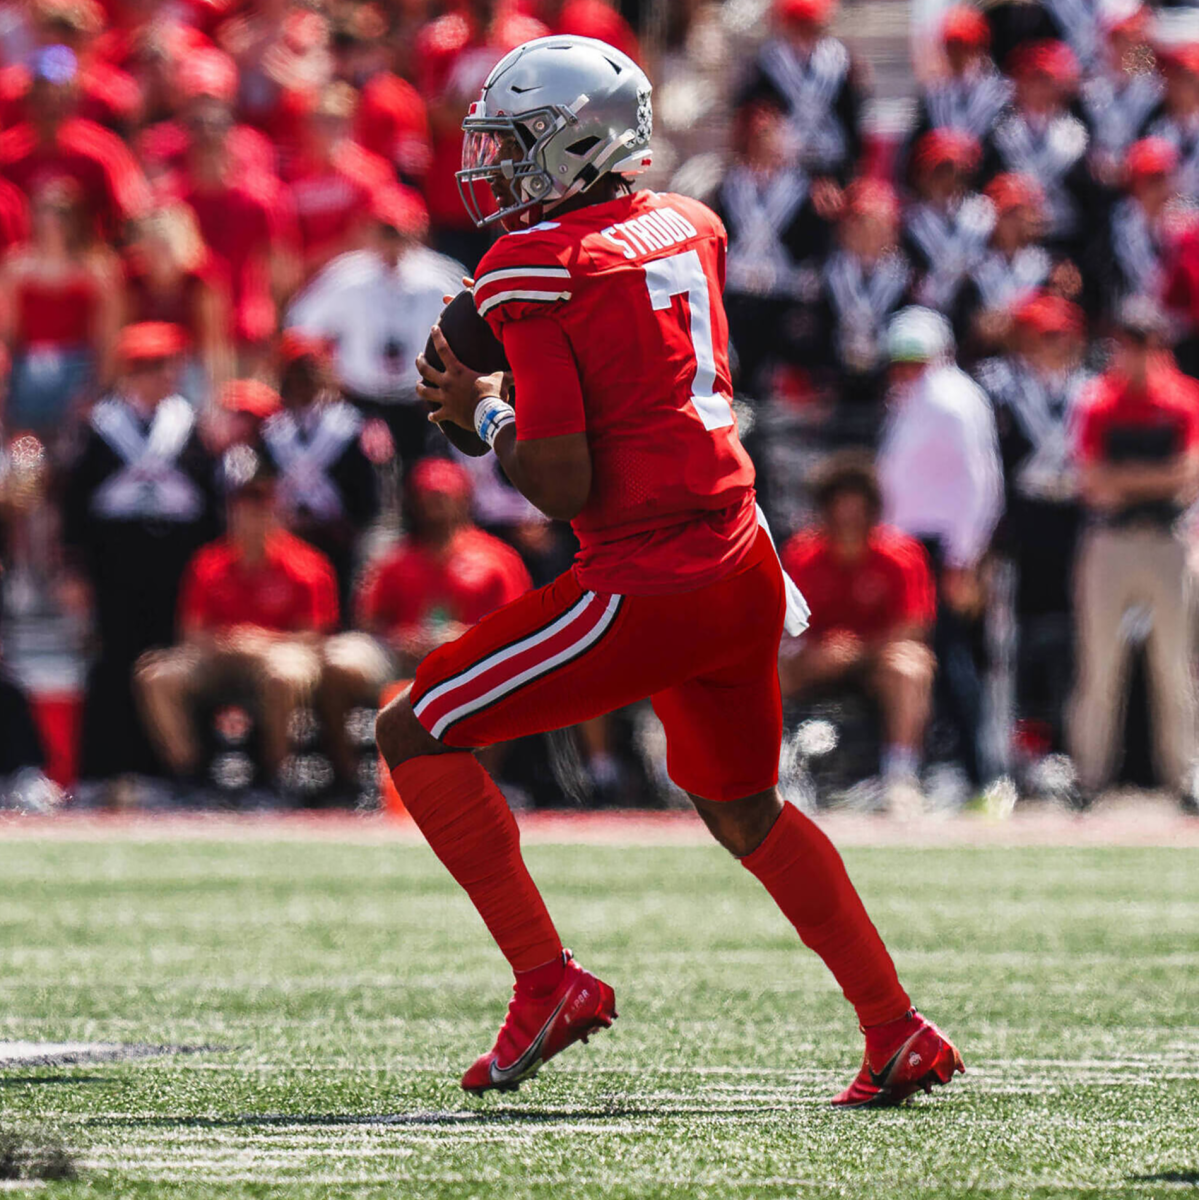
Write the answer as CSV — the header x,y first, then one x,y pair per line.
x,y
38,1080
1167,1177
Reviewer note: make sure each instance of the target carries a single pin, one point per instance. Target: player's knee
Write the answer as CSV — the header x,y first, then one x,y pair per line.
x,y
741,826
399,735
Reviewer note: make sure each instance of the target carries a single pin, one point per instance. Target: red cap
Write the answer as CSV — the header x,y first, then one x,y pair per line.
x,y
1149,157
149,340
401,208
207,71
942,146
871,198
1047,313
439,475
250,396
1010,191
295,344
965,26
1182,58
805,12
1052,58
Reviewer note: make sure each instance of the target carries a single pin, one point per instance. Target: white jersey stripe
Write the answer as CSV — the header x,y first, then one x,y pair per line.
x,y
520,273
530,673
520,294
572,614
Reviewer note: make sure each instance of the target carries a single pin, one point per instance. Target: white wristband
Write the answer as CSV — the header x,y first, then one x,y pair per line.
x,y
491,415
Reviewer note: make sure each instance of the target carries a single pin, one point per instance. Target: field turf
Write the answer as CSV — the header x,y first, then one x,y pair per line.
x,y
328,996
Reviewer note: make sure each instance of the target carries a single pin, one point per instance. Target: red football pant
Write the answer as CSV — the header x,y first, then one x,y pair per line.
x,y
708,659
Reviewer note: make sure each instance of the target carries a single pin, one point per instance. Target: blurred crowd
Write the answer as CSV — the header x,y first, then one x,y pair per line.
x,y
964,357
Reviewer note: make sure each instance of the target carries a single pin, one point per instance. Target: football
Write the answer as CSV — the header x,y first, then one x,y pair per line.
x,y
471,339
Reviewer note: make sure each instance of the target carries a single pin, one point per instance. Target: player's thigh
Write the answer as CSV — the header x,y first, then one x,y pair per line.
x,y
724,726
551,659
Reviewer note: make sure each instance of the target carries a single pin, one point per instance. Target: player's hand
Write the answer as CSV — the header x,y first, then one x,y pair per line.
x,y
456,390
467,282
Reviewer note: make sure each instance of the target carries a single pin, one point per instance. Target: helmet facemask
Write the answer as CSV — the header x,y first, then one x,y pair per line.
x,y
509,154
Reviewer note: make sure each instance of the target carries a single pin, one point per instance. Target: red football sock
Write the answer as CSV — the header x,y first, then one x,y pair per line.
x,y
803,872
469,826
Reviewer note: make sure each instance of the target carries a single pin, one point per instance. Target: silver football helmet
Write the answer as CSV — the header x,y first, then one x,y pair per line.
x,y
555,115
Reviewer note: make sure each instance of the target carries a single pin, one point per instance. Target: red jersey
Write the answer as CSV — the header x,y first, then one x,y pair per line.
x,y
1169,407
293,590
113,186
891,585
243,223
477,575
332,199
613,322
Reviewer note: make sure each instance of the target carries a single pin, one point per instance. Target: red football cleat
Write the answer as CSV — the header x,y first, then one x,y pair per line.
x,y
918,1056
538,1028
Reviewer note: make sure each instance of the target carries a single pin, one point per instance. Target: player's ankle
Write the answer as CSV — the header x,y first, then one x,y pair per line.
x,y
882,1036
542,980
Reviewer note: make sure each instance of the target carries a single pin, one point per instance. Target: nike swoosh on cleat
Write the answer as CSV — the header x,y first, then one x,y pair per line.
x,y
879,1079
510,1074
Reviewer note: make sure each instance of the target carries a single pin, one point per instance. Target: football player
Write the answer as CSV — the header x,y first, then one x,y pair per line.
x,y
608,303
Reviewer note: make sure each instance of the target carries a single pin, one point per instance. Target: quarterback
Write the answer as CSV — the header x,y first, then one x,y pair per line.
x,y
608,305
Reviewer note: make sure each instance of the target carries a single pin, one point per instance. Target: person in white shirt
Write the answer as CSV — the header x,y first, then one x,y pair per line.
x,y
377,306
942,482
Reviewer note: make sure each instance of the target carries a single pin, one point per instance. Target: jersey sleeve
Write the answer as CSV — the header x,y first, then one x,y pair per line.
x,y
549,395
522,275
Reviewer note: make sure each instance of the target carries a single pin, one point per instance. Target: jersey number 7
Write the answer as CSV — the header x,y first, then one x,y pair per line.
x,y
683,275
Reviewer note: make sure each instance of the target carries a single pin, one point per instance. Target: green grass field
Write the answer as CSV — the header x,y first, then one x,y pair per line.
x,y
335,991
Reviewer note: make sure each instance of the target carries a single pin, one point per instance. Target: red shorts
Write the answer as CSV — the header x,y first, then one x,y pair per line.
x,y
708,659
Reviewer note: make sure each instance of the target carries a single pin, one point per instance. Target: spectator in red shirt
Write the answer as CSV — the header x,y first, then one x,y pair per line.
x,y
873,603
170,275
248,223
335,181
60,309
391,120
254,608
203,92
454,55
108,95
1137,445
57,142
445,575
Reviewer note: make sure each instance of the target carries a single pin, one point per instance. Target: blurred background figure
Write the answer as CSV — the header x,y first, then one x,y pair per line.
x,y
254,609
969,95
443,576
1131,259
1138,452
1041,137
328,490
948,226
60,309
170,275
873,606
139,501
1124,90
376,307
942,483
1034,391
866,280
779,231
811,74
56,142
